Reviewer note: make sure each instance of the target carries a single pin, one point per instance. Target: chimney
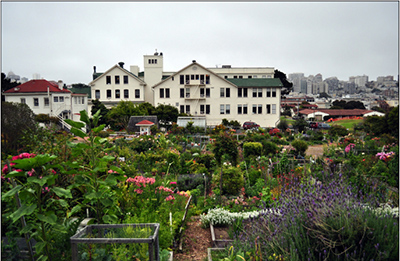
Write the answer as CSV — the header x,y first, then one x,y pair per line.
x,y
60,84
135,70
121,64
94,69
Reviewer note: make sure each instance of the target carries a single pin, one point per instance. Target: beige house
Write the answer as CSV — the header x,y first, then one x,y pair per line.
x,y
196,90
117,84
242,94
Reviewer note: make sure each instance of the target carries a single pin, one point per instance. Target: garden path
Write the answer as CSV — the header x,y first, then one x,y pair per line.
x,y
195,242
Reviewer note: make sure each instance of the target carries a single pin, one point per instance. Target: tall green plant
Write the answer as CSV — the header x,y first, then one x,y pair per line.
x,y
95,174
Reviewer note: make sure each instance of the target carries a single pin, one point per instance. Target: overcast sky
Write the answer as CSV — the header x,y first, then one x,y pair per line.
x,y
63,41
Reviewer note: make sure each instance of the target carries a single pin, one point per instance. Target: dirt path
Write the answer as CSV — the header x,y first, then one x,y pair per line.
x,y
195,242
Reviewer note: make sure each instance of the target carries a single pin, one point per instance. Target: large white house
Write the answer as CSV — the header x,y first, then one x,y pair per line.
x,y
242,94
48,97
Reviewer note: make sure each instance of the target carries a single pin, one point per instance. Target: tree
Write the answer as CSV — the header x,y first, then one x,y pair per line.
x,y
354,105
16,120
118,117
147,108
225,146
6,84
324,95
80,85
392,119
283,125
166,114
98,105
300,125
287,86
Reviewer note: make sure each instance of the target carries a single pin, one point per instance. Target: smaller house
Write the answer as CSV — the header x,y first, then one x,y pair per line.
x,y
325,114
144,126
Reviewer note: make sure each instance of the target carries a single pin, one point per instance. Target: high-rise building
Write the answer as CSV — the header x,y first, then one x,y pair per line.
x,y
296,78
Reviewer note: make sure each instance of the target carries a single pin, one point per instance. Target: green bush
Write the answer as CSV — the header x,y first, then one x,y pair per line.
x,y
252,149
232,180
338,130
300,146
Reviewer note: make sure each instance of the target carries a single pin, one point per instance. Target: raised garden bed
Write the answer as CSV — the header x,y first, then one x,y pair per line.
x,y
220,236
127,240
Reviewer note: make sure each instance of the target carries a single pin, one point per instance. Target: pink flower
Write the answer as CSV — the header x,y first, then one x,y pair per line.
x,y
139,191
172,183
349,147
30,173
170,197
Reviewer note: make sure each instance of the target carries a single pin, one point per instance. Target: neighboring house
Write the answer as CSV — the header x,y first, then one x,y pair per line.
x,y
241,94
48,97
325,114
196,90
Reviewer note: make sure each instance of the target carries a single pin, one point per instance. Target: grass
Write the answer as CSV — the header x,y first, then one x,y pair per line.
x,y
348,124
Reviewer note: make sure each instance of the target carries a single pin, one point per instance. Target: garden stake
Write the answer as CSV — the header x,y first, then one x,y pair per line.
x,y
23,222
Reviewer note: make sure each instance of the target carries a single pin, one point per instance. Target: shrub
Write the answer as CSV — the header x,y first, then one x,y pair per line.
x,y
322,221
300,146
338,130
252,148
232,178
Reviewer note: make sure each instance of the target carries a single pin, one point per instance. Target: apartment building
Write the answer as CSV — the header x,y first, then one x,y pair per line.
x,y
241,94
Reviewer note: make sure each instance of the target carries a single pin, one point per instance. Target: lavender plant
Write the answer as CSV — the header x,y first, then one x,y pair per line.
x,y
322,221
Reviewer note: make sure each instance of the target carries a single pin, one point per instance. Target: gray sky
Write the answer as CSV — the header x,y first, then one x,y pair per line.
x,y
63,41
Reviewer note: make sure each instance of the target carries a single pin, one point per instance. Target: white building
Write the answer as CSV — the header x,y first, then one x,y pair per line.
x,y
48,97
241,94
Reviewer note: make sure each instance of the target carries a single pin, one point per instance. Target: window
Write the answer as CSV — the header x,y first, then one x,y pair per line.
x,y
240,91
187,92
61,99
182,109
273,108
172,78
273,92
239,109
222,92
35,101
108,94
201,92
108,79
137,93
182,92
126,94
97,94
254,108
222,109
181,79
166,92
202,79
187,109
249,77
201,108
268,108
207,109
259,109
254,92
268,92
125,79
116,79
208,92
46,102
228,92
117,94
244,108
240,76
75,100
23,100
187,79
227,109
55,99
161,92
207,79
259,92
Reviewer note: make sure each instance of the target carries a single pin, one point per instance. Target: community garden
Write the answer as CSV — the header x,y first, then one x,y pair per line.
x,y
277,202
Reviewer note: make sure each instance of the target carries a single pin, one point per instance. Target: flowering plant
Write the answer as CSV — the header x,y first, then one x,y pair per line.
x,y
384,156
